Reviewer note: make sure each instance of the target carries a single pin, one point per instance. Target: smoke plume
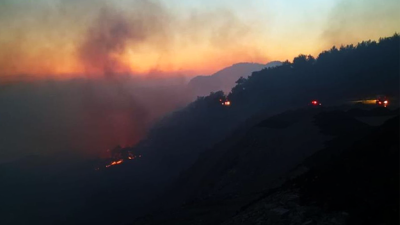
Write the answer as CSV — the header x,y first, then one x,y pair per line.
x,y
113,31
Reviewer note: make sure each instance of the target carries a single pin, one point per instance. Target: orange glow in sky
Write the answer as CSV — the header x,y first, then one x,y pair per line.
x,y
66,39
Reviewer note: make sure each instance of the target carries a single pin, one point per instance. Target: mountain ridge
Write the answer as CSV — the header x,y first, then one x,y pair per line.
x,y
225,79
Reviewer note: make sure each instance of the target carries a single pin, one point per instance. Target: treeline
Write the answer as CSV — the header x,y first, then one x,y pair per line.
x,y
334,77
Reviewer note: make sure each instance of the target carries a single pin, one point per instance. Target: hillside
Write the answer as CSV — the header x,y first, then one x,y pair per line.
x,y
336,78
358,186
176,141
264,178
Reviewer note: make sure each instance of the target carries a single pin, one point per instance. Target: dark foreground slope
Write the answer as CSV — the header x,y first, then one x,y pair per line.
x,y
279,172
363,181
359,186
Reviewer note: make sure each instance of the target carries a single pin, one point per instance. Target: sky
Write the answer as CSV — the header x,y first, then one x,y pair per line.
x,y
65,39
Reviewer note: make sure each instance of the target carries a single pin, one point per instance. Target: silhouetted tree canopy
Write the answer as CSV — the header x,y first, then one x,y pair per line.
x,y
336,76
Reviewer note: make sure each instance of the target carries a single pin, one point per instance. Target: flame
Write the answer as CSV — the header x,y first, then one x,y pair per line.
x,y
113,163
118,156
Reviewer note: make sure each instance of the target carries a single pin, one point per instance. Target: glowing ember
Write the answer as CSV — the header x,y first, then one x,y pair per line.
x,y
115,163
117,156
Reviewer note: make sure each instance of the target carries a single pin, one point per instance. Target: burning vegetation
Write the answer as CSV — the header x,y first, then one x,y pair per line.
x,y
117,156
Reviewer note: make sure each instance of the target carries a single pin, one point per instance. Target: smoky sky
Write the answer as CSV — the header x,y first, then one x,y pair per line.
x,y
113,31
75,38
351,21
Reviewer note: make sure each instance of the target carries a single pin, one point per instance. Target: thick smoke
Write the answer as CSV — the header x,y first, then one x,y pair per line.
x,y
107,39
70,38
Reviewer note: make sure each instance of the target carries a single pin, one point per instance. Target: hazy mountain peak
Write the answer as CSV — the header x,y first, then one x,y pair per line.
x,y
225,78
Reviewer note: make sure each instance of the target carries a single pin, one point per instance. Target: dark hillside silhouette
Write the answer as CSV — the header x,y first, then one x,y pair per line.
x,y
361,181
335,77
267,175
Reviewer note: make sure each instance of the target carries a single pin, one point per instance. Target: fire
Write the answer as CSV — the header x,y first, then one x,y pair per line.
x,y
366,101
113,163
118,156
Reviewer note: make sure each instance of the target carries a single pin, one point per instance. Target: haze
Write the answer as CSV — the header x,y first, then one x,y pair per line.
x,y
63,39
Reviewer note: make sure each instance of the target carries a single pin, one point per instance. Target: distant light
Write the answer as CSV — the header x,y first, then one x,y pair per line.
x,y
386,102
